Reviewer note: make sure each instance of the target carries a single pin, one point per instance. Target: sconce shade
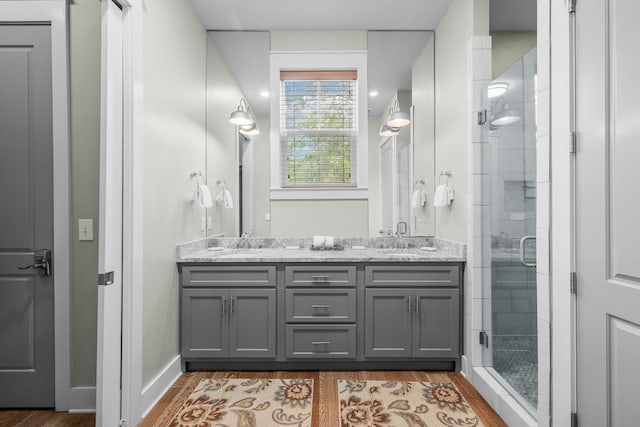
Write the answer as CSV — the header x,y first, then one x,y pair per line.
x,y
398,119
240,118
250,130
505,117
386,130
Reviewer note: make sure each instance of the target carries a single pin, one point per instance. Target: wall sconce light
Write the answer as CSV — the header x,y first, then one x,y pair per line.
x,y
242,118
386,130
395,120
504,116
497,89
250,130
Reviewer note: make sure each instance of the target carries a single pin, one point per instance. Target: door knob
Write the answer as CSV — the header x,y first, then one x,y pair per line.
x,y
42,261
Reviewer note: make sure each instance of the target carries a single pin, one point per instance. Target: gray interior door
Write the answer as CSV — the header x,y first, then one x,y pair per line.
x,y
26,217
607,212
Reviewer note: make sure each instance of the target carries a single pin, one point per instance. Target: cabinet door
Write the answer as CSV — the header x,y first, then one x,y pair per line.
x,y
436,323
204,323
388,323
252,331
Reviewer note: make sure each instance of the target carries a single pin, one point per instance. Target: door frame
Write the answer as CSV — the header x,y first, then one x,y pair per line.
x,y
55,12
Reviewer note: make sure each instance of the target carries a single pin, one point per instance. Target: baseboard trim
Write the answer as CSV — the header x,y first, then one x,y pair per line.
x,y
82,399
152,393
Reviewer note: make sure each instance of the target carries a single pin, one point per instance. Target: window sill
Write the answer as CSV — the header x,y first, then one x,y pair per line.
x,y
319,194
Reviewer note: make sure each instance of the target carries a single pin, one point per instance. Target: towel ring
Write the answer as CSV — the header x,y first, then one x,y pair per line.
x,y
447,174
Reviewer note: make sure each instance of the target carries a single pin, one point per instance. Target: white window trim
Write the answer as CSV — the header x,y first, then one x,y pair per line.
x,y
347,60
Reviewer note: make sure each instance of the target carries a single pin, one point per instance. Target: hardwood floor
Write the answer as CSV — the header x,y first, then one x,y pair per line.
x,y
325,411
29,418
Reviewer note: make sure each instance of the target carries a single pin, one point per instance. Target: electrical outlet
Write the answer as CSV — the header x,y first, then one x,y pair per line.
x,y
267,216
203,223
209,222
85,229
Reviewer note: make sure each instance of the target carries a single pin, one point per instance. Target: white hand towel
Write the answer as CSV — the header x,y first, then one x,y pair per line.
x,y
440,196
204,196
449,194
228,202
415,199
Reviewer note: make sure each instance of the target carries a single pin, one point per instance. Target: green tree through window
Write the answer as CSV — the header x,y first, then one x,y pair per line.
x,y
318,132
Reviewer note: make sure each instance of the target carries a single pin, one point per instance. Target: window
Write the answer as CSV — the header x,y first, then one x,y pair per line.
x,y
318,128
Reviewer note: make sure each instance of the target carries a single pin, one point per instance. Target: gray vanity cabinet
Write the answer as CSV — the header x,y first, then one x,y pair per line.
x,y
222,318
415,315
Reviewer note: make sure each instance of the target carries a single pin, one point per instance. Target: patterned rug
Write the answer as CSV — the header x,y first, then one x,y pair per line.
x,y
247,403
403,403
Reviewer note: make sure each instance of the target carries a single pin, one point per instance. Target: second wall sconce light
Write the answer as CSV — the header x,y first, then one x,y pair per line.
x,y
395,120
244,120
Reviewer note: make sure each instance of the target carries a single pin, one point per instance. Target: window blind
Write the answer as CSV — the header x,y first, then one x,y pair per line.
x,y
318,128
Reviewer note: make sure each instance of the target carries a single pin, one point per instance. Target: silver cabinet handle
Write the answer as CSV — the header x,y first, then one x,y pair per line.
x,y
320,278
232,305
522,244
319,306
320,342
224,305
409,305
417,306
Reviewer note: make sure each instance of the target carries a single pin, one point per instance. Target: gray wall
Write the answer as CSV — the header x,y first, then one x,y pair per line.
x,y
464,19
84,73
174,145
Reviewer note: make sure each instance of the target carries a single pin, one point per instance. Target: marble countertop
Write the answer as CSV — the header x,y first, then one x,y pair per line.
x,y
197,252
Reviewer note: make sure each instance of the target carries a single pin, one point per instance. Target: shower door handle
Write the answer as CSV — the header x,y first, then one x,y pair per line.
x,y
523,241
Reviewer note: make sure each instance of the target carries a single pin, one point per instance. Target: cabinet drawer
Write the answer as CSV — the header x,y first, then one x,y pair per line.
x,y
254,276
341,275
395,275
321,305
321,341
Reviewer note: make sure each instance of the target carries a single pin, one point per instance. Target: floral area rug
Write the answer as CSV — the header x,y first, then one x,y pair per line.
x,y
403,403
228,402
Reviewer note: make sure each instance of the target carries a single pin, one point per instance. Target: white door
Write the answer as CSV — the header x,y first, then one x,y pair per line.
x,y
608,212
108,404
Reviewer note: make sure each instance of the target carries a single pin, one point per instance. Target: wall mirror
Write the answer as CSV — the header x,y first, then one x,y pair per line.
x,y
400,178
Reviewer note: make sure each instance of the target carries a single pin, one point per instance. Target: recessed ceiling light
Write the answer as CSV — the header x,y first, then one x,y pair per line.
x,y
373,93
264,94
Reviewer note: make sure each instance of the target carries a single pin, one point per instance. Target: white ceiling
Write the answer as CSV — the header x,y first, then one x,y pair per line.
x,y
322,15
244,41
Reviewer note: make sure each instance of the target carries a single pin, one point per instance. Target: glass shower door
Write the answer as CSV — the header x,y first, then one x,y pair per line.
x,y
509,182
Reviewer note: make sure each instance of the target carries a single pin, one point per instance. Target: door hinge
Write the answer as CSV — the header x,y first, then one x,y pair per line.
x,y
572,6
573,142
484,339
574,282
574,419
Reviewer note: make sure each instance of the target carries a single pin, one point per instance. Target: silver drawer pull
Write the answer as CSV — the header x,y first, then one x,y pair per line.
x,y
320,342
320,278
319,306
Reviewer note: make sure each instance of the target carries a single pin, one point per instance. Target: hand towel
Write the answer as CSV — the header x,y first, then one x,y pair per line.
x,y
450,196
204,196
226,197
419,198
415,199
440,196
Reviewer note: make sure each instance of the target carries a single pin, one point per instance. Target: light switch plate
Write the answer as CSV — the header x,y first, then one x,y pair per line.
x,y
85,229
